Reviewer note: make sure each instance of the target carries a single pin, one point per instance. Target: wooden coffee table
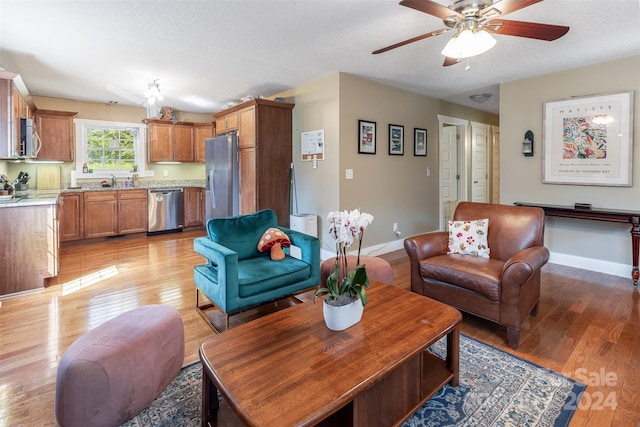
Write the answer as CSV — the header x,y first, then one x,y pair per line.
x,y
289,369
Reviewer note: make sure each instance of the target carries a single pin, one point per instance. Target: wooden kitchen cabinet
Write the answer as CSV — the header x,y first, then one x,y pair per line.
x,y
202,132
247,128
194,207
100,213
55,129
169,142
132,211
265,147
160,137
71,216
247,180
226,121
21,108
183,142
112,213
29,247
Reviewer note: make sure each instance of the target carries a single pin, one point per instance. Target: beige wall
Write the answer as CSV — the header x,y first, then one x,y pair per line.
x,y
574,242
317,191
392,188
100,111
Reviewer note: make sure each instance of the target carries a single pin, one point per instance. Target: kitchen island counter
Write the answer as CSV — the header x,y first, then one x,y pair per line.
x,y
32,199
29,244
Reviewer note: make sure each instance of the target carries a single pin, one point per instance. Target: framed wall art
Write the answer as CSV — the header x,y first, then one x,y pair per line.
x,y
396,140
588,140
419,142
366,137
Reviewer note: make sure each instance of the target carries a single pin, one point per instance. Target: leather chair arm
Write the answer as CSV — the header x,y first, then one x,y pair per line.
x,y
427,245
309,247
521,266
421,247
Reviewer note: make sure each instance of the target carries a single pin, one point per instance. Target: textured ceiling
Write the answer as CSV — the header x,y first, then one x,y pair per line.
x,y
209,53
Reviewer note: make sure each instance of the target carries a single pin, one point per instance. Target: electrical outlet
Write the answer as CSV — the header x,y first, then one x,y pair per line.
x,y
165,173
395,227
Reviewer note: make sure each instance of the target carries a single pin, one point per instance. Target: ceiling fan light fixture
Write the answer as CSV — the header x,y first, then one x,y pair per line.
x,y
468,43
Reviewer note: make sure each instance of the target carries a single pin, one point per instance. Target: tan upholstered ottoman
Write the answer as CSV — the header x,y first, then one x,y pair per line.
x,y
114,371
377,268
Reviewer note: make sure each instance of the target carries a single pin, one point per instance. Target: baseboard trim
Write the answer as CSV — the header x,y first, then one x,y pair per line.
x,y
591,264
375,250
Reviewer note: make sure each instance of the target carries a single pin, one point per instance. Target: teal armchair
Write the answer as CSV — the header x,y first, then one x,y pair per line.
x,y
237,276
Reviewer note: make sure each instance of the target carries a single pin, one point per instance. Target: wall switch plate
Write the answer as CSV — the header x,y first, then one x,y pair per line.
x,y
349,174
428,171
165,173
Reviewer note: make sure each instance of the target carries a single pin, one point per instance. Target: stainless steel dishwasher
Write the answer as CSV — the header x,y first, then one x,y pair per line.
x,y
166,209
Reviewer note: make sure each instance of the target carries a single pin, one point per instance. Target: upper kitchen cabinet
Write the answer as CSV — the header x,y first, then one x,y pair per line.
x,y
265,145
203,131
55,129
226,121
15,104
21,108
169,142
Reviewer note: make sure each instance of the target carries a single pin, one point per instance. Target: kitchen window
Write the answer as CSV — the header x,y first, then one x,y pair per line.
x,y
109,148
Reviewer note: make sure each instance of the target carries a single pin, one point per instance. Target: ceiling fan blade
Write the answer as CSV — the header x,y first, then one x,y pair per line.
x,y
431,7
531,30
414,39
508,6
450,61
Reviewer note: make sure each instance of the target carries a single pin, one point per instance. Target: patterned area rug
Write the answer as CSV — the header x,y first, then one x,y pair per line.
x,y
496,389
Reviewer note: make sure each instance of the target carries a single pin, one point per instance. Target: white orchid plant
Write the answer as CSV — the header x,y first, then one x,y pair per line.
x,y
343,285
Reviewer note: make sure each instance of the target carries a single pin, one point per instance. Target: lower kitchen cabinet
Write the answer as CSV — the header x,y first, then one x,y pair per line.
x,y
100,214
71,217
132,211
111,213
193,207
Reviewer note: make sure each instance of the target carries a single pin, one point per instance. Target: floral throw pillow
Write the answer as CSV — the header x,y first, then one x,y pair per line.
x,y
469,237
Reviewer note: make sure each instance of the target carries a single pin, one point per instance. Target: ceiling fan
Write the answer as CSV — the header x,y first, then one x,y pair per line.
x,y
473,20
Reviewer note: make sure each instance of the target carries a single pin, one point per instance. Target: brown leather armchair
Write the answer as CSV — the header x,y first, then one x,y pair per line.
x,y
504,288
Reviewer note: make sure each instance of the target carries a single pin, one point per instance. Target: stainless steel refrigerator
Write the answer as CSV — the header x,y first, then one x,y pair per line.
x,y
223,189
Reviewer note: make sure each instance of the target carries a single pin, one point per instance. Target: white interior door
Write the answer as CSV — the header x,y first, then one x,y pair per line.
x,y
449,164
452,151
479,162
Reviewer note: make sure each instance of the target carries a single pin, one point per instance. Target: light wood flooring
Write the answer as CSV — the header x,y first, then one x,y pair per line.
x,y
588,325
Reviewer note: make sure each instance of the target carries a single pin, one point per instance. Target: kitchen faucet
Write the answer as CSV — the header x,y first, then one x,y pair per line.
x,y
113,181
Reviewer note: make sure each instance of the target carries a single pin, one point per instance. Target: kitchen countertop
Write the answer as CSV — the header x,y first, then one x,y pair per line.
x,y
142,185
32,198
50,197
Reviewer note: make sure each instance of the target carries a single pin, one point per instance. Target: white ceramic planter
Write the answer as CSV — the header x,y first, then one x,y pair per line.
x,y
343,317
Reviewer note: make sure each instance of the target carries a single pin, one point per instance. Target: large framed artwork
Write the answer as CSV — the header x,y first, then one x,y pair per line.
x,y
396,140
366,137
588,140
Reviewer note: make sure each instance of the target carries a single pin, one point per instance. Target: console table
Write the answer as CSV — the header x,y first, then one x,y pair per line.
x,y
600,214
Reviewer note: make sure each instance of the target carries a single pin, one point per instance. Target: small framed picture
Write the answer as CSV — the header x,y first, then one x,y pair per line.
x,y
366,137
396,140
419,142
